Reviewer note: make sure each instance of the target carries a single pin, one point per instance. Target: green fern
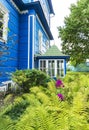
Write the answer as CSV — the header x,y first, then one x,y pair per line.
x,y
46,112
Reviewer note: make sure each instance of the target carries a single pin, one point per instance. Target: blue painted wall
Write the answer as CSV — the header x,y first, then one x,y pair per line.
x,y
11,59
29,40
23,41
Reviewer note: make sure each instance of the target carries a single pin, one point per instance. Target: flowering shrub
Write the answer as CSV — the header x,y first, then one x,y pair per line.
x,y
60,96
59,85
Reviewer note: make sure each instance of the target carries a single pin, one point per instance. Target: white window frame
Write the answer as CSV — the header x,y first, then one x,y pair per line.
x,y
5,19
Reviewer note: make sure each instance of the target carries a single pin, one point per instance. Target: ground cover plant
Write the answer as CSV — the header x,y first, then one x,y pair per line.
x,y
43,108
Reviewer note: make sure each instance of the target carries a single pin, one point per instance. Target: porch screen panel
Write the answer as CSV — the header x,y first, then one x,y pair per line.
x,y
43,65
51,68
60,68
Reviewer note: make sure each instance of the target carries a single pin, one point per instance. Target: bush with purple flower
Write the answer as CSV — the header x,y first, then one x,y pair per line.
x,y
61,97
59,85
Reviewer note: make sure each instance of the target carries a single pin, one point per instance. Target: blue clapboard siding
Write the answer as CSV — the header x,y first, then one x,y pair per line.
x,y
23,41
10,60
20,51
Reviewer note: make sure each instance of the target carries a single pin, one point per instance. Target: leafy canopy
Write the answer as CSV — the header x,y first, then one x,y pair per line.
x,y
75,32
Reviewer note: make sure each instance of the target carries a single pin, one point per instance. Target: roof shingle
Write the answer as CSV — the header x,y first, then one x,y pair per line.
x,y
53,51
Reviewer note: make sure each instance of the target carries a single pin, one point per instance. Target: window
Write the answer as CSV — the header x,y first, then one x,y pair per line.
x,y
47,44
60,68
1,25
43,65
51,68
3,22
40,37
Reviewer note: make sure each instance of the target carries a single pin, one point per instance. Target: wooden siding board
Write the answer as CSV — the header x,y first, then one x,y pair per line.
x,y
11,62
23,41
12,26
31,41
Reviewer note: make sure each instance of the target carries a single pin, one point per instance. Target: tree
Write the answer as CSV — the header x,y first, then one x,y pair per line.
x,y
75,32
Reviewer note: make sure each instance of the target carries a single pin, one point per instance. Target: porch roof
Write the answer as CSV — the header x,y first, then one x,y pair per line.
x,y
37,7
53,52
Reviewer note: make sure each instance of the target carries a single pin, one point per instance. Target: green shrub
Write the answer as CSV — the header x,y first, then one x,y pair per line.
x,y
26,79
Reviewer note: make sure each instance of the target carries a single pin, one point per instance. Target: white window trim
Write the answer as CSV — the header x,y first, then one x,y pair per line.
x,y
5,12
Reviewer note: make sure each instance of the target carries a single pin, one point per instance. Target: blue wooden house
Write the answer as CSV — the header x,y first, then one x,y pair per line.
x,y
25,37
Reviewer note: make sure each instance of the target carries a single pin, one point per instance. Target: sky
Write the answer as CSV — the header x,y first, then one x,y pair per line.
x,y
61,9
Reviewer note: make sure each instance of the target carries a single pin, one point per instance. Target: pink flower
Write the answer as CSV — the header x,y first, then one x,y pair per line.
x,y
59,83
60,96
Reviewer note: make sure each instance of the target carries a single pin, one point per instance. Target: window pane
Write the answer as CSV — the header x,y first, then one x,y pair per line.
x,y
60,68
1,16
53,65
49,64
49,71
51,68
1,29
1,33
1,25
40,63
53,72
58,72
3,22
44,63
57,64
62,72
